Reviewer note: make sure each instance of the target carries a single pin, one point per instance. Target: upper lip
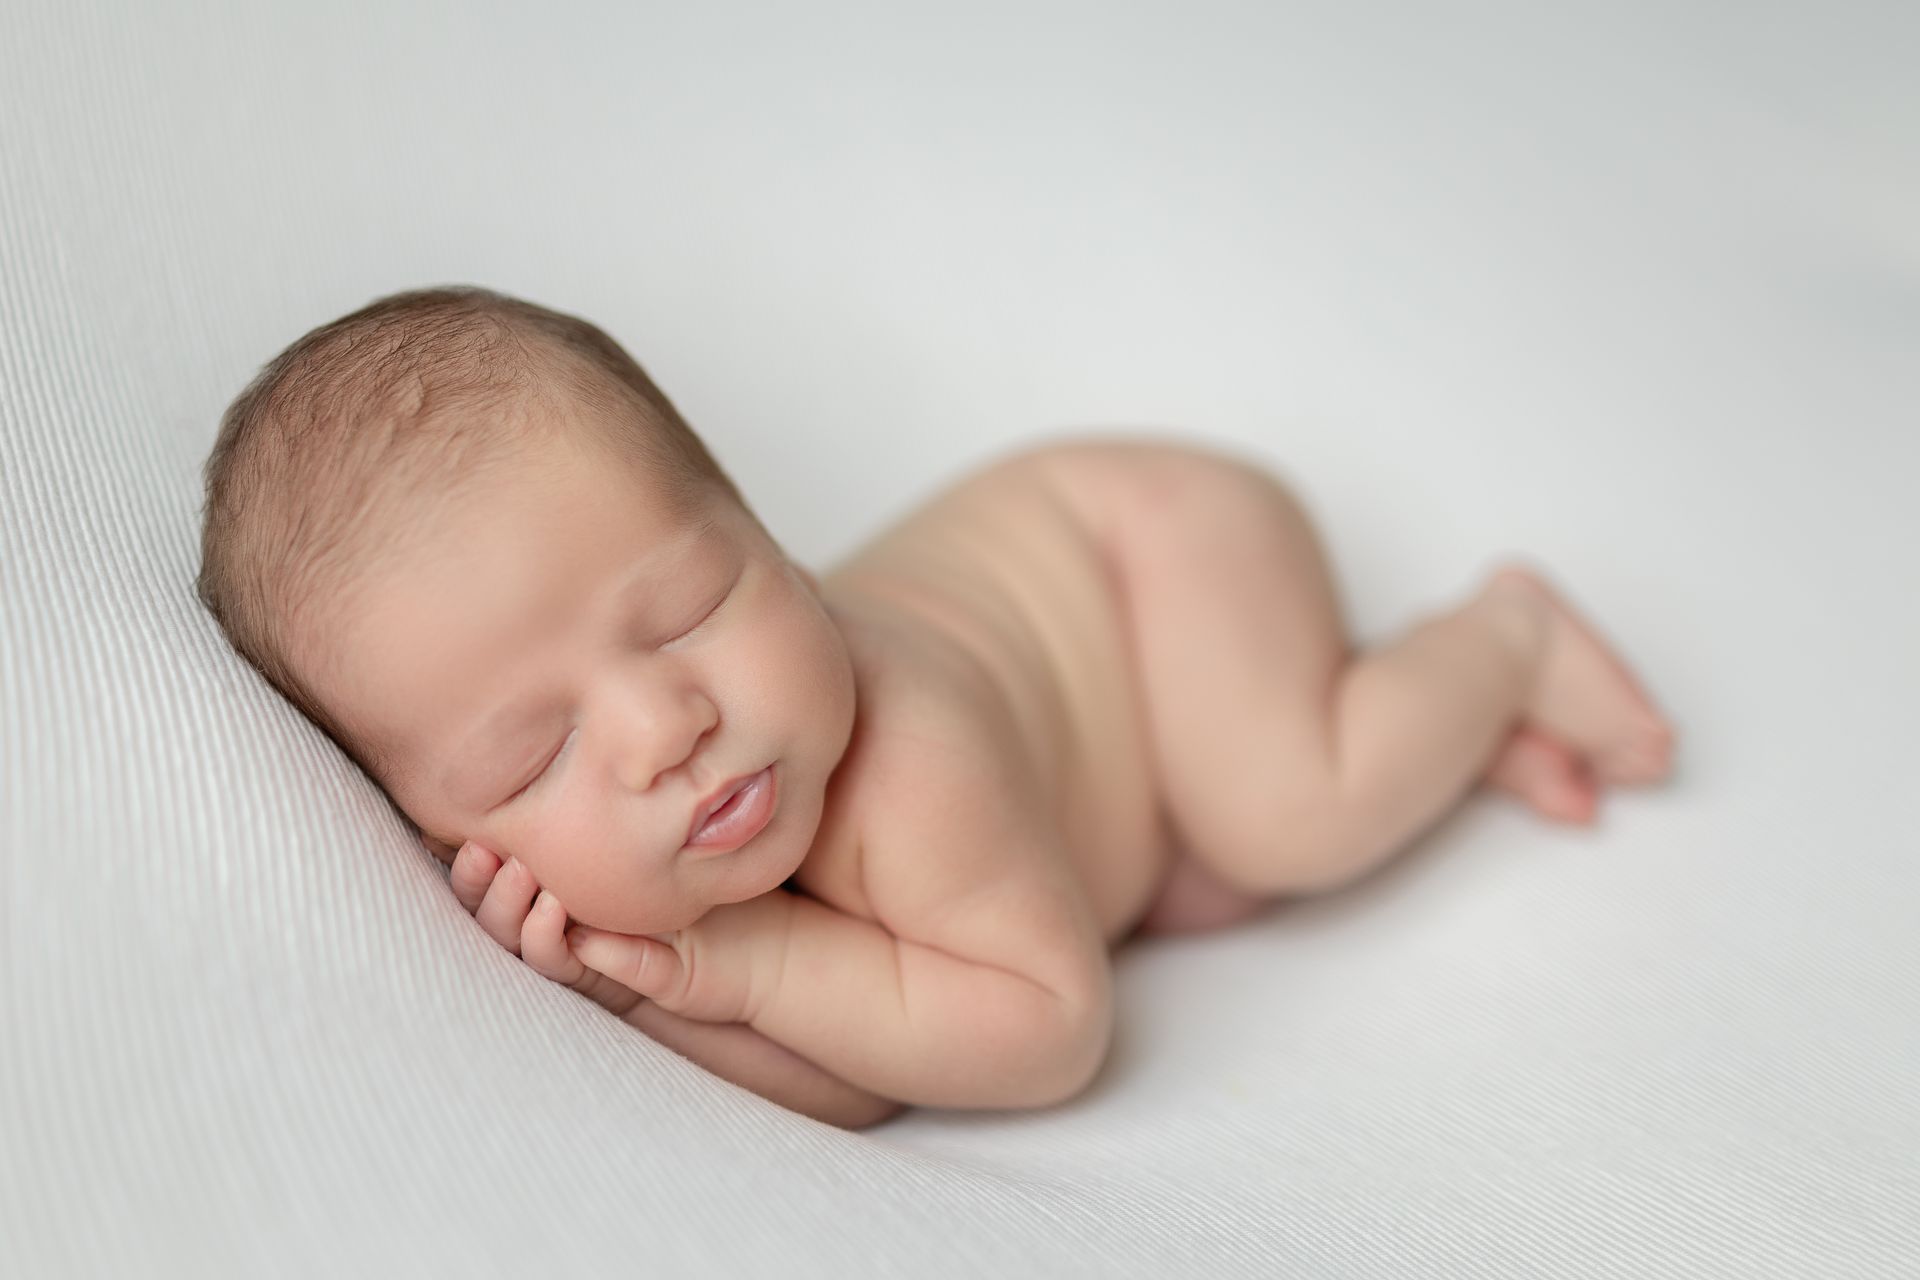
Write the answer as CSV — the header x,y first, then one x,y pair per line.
x,y
720,796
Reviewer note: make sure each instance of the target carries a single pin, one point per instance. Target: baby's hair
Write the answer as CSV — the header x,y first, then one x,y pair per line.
x,y
397,408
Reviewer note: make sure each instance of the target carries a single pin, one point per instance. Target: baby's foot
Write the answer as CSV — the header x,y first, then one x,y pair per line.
x,y
1586,697
1548,775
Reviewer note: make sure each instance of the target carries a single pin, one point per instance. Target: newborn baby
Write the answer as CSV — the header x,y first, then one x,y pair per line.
x,y
866,839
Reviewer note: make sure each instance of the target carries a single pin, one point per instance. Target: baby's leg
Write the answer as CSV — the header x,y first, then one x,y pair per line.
x,y
1291,763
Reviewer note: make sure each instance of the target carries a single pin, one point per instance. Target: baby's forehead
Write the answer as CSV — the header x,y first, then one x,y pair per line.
x,y
550,470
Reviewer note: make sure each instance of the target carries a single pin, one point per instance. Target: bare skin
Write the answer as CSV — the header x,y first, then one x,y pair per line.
x,y
1512,688
1162,624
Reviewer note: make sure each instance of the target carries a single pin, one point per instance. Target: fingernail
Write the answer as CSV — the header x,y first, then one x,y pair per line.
x,y
544,902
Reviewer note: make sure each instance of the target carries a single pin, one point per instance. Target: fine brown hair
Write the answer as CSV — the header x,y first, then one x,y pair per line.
x,y
396,408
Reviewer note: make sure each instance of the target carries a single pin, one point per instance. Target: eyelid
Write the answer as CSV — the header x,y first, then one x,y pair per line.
x,y
708,615
541,772
704,618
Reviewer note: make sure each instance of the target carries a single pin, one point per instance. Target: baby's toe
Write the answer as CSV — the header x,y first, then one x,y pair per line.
x,y
1637,763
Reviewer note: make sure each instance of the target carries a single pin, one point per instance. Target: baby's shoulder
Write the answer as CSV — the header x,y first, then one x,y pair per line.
x,y
965,610
931,722
959,846
931,773
968,622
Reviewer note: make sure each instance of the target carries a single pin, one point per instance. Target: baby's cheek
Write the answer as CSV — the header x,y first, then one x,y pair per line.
x,y
830,706
571,848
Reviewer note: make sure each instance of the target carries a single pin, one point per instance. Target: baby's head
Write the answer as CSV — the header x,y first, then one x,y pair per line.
x,y
473,543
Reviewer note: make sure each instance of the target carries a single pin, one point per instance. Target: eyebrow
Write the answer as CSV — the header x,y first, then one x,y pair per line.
x,y
468,767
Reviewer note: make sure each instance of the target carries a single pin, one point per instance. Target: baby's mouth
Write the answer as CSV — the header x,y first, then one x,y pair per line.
x,y
737,816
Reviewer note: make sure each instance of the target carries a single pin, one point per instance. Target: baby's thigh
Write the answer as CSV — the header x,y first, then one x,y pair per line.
x,y
1200,534
1194,900
1238,637
1237,623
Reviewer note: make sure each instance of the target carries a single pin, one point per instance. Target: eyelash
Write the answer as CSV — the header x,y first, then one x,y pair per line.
x,y
541,773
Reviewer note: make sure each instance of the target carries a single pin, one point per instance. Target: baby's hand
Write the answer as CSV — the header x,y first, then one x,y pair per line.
x,y
720,968
503,900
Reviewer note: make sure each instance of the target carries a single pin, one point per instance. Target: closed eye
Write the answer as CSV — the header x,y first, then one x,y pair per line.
x,y
542,771
705,618
538,774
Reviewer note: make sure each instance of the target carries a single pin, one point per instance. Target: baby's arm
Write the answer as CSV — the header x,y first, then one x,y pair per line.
x,y
1004,1001
736,1052
503,900
911,1021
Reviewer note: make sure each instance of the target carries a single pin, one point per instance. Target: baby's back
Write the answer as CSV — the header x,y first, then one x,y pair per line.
x,y
987,621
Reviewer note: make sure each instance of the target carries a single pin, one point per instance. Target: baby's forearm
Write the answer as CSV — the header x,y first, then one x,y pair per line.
x,y
913,1023
755,1061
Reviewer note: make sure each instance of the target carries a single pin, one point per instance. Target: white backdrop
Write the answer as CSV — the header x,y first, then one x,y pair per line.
x,y
1633,288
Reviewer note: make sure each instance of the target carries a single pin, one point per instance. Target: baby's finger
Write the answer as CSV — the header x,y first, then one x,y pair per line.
x,y
543,942
543,945
504,910
473,870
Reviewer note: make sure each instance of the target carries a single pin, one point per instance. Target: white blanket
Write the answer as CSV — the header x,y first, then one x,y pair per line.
x,y
1633,289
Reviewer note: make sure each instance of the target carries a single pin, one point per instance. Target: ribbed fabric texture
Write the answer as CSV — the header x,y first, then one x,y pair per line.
x,y
1634,290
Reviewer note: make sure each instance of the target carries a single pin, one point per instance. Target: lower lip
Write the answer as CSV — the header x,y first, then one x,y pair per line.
x,y
740,819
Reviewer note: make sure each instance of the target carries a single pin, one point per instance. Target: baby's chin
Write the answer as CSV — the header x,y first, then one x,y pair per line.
x,y
754,880
765,879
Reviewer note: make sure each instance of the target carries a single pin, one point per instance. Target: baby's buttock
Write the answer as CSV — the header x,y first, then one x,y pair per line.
x,y
1001,568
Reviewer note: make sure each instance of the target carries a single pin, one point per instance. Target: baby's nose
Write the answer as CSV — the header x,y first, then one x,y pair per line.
x,y
651,745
